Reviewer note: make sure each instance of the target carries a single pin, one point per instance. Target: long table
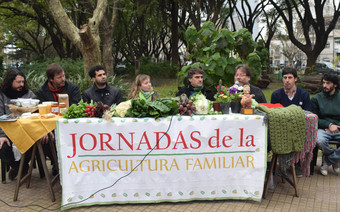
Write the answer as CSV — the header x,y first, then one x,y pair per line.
x,y
143,160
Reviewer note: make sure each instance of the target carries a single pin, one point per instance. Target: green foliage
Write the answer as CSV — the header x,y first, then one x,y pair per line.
x,y
161,107
218,52
159,69
76,110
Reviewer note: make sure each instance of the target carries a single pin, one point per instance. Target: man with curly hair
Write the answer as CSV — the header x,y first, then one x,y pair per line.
x,y
13,86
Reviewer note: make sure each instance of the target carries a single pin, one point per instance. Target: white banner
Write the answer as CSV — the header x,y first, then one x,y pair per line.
x,y
171,159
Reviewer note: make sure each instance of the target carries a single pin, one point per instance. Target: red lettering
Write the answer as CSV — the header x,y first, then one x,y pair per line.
x,y
125,140
217,139
146,141
81,141
195,139
180,135
158,137
74,145
102,142
251,141
241,137
226,138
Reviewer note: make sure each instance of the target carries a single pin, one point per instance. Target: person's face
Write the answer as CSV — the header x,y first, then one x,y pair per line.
x,y
328,87
145,85
18,83
100,78
288,81
241,77
58,80
196,81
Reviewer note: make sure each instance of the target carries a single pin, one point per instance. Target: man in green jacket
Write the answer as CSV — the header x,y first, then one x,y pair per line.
x,y
326,105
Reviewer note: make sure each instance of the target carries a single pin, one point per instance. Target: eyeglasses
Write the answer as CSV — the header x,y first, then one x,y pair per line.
x,y
240,75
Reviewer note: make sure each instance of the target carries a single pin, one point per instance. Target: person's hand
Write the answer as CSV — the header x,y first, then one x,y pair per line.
x,y
4,140
333,128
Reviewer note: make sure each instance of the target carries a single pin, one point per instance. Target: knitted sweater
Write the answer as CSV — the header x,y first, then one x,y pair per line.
x,y
287,128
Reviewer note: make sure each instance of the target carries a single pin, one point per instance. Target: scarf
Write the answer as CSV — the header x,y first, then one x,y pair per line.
x,y
55,91
146,95
195,91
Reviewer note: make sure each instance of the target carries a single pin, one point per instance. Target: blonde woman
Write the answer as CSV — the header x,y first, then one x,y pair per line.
x,y
142,88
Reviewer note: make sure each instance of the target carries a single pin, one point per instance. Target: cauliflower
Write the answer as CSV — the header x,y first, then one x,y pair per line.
x,y
122,108
202,104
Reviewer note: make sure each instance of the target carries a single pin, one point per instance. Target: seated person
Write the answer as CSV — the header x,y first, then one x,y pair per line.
x,y
242,76
13,86
195,85
54,85
290,93
326,105
101,91
142,88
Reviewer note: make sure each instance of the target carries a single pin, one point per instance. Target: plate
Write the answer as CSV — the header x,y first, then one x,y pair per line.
x,y
6,118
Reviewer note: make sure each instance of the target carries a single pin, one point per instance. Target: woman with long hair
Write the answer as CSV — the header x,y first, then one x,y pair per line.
x,y
142,88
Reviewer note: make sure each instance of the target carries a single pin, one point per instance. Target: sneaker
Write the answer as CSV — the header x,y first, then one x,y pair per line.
x,y
323,169
336,168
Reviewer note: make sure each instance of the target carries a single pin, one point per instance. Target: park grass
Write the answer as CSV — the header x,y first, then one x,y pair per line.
x,y
165,87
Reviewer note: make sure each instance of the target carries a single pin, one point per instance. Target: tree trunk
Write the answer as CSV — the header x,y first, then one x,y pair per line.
x,y
174,34
311,59
107,34
87,38
91,49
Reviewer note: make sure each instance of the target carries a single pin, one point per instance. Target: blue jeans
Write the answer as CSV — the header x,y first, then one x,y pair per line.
x,y
331,155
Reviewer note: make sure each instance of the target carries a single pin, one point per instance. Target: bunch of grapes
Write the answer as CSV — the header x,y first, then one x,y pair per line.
x,y
99,110
90,110
186,108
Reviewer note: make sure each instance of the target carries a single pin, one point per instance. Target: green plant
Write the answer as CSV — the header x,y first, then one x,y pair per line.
x,y
218,52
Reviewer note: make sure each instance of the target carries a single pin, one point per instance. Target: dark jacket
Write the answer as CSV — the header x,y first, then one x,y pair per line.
x,y
301,98
109,95
327,108
188,90
45,95
259,96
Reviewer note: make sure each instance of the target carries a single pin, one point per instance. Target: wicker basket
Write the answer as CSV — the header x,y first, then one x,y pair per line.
x,y
16,110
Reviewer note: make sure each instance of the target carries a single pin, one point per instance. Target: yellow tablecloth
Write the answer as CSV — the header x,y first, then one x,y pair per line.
x,y
25,132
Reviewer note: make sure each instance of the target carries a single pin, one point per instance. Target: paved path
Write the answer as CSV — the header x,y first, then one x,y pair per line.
x,y
316,193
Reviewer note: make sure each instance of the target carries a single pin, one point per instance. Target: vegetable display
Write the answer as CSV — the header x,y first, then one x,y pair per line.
x,y
161,107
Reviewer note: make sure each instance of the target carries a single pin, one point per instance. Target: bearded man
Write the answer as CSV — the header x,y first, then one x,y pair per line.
x,y
13,86
101,91
326,105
